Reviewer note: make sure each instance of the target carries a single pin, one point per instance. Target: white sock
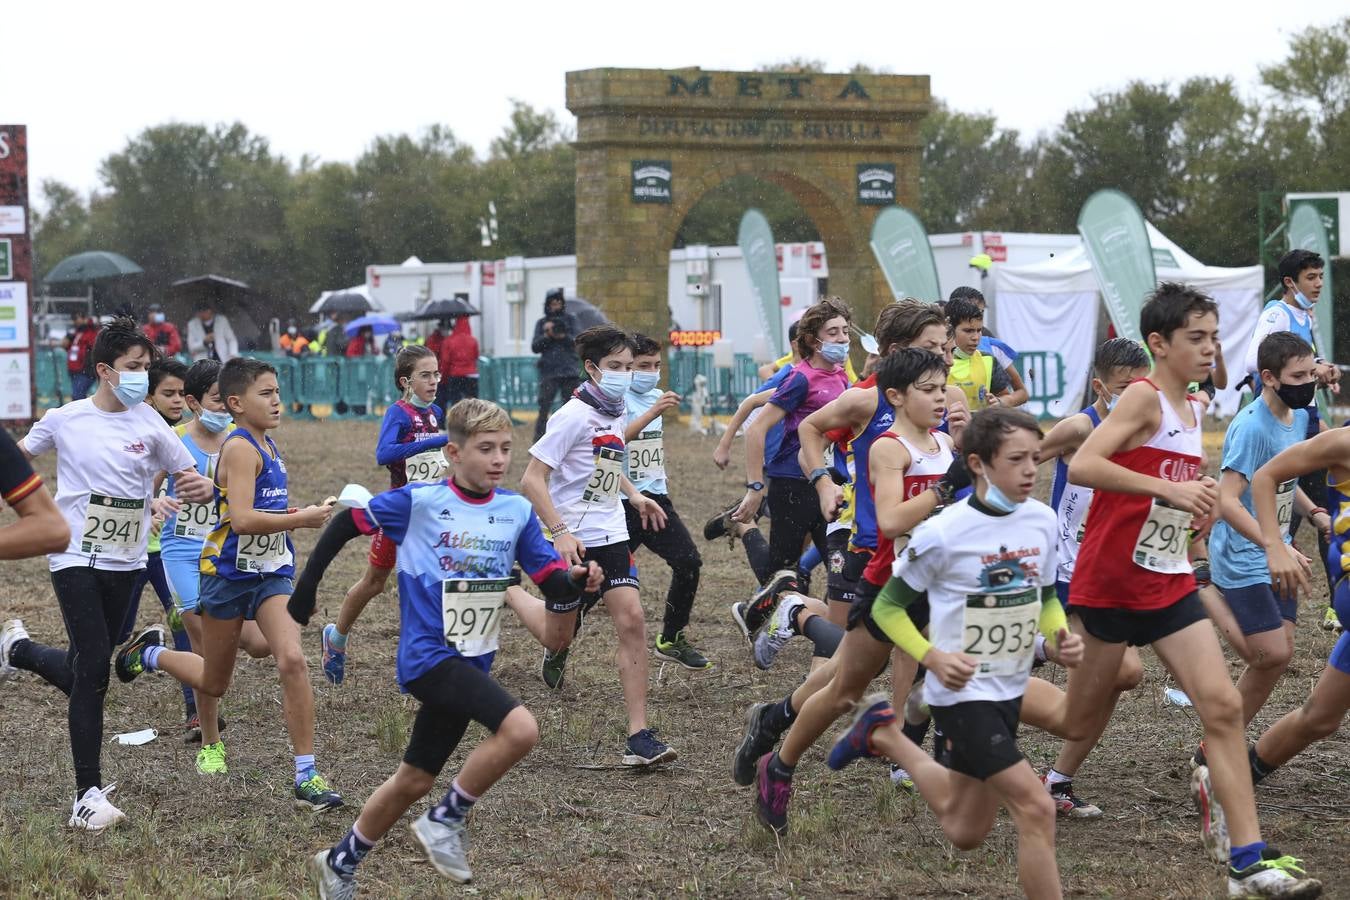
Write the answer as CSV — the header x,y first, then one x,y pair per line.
x,y
1053,778
1040,648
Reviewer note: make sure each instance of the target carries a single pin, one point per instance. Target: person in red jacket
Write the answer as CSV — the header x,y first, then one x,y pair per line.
x,y
163,333
79,344
459,362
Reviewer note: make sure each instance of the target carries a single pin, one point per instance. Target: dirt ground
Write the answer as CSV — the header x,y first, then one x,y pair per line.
x,y
570,821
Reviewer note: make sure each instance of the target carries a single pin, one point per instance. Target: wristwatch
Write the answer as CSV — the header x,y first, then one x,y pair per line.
x,y
755,485
816,474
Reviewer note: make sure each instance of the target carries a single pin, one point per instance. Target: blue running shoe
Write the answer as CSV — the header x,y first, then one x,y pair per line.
x,y
334,660
870,713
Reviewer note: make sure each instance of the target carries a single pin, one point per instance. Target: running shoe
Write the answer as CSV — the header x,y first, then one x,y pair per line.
x,y
680,651
869,714
1069,805
334,660
93,812
916,706
776,633
762,604
759,739
211,759
551,668
646,749
129,663
1198,757
1330,622
12,632
738,613
313,793
175,619
1273,875
330,885
1213,826
446,845
772,795
900,778
719,525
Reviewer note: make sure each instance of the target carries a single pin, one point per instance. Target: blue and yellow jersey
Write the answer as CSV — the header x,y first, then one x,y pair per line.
x,y
237,557
1338,550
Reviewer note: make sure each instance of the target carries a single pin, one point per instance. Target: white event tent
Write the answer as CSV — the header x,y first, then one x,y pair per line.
x,y
1055,305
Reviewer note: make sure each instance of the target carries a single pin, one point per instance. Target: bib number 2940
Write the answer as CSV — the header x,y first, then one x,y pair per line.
x,y
262,553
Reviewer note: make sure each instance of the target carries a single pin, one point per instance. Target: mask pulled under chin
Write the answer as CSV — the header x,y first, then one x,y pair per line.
x,y
997,500
959,353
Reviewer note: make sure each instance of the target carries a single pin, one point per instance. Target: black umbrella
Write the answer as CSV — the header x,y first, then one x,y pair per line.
x,y
91,266
231,296
435,310
587,314
346,302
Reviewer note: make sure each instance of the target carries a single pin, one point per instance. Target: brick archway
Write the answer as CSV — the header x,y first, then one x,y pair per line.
x,y
812,135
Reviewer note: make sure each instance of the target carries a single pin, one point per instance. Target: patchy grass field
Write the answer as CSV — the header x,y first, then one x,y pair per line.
x,y
569,821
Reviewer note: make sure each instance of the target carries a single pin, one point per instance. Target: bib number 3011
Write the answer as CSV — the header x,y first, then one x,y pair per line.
x,y
262,553
471,613
603,488
1163,540
1000,632
112,527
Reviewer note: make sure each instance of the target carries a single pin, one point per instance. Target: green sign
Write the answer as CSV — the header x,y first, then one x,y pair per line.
x,y
1307,231
755,239
1117,244
1163,259
6,259
1329,208
901,247
651,181
876,184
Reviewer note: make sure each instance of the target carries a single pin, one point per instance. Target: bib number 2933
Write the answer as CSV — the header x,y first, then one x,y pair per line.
x,y
471,611
1000,631
112,526
262,553
1163,540
603,488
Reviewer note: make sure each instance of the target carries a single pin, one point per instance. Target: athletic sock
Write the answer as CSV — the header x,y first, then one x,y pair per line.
x,y
454,806
1054,777
303,766
1242,857
916,733
150,656
780,716
778,768
1260,768
337,639
347,853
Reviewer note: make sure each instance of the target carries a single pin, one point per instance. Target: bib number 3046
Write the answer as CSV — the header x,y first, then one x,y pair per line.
x,y
471,611
1000,631
1163,540
113,526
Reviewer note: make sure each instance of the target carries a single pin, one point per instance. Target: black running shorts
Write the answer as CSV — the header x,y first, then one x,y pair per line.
x,y
1140,627
979,737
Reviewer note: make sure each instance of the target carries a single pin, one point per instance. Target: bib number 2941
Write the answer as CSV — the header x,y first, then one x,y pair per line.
x,y
1163,540
112,526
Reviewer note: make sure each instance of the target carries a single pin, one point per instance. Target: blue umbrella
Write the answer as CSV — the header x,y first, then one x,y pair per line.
x,y
377,324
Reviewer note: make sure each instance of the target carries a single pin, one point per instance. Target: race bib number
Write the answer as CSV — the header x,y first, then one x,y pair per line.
x,y
1163,539
195,521
471,613
426,466
603,488
1000,632
262,554
647,458
1284,505
113,527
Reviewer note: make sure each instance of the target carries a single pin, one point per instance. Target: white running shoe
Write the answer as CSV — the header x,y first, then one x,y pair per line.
x,y
12,631
1213,825
776,632
1273,875
330,885
916,705
445,844
93,812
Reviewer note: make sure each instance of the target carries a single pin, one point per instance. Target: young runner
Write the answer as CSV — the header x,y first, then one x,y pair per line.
x,y
985,569
823,341
972,371
1133,584
908,463
1005,376
187,529
1326,706
109,448
644,406
410,446
451,593
573,481
246,568
1271,423
1118,363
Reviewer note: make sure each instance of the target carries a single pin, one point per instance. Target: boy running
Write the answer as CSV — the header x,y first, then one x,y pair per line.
x,y
1133,583
644,406
246,568
972,371
109,448
573,481
451,594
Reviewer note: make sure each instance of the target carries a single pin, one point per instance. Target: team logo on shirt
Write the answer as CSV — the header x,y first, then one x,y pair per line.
x,y
134,447
446,515
1009,569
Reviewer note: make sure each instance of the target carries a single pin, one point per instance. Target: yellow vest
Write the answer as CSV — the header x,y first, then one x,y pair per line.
x,y
973,376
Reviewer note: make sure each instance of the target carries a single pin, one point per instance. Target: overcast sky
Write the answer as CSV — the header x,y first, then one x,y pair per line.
x,y
324,78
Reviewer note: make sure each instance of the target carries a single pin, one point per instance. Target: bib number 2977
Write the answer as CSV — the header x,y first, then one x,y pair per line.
x,y
471,612
1163,540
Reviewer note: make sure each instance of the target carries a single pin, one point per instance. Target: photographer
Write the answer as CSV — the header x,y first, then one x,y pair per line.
x,y
559,368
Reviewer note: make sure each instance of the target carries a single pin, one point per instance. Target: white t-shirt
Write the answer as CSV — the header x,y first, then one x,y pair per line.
x,y
585,449
112,457
1278,316
984,576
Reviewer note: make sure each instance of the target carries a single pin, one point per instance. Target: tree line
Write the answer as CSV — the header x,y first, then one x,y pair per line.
x,y
188,199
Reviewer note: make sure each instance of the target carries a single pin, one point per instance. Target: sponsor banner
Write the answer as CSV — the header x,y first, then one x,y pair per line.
x,y
1308,231
13,315
651,181
694,338
876,184
16,387
6,259
901,247
1117,244
755,239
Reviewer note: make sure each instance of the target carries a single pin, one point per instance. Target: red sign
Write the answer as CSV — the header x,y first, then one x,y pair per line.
x,y
778,253
997,252
17,397
489,274
694,338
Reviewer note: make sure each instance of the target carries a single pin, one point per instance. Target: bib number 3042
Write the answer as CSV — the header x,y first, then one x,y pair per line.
x,y
262,553
603,488
1000,631
113,526
1163,540
471,611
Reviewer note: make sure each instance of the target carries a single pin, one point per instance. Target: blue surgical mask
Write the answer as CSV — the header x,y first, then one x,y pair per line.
x,y
215,422
1302,301
418,401
643,382
834,353
1111,401
131,387
997,500
614,384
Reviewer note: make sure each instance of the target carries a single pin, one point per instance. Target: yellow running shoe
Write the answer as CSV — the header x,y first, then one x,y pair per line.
x,y
211,759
